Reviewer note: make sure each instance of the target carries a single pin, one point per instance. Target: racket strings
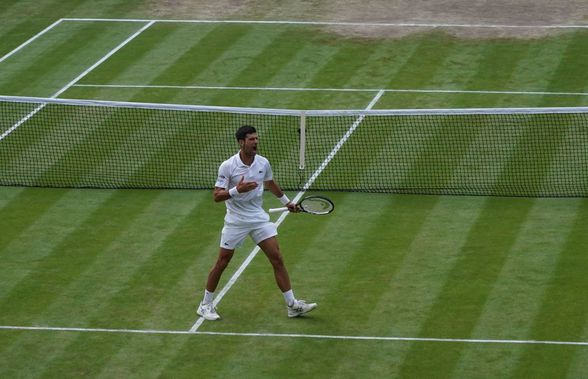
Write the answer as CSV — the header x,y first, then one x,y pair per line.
x,y
317,205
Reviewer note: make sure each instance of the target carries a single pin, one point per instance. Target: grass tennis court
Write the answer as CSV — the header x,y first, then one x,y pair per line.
x,y
104,283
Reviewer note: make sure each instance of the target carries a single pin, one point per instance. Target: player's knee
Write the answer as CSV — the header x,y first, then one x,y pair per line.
x,y
222,263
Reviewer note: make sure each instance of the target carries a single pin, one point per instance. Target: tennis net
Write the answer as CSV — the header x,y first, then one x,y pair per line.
x,y
535,152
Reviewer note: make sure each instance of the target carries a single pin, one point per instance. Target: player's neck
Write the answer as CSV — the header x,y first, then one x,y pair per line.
x,y
248,160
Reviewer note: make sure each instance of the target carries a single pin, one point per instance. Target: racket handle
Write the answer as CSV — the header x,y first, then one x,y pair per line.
x,y
276,210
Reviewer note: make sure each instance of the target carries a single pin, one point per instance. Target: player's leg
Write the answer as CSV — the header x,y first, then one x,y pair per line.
x,y
231,237
206,308
215,273
271,248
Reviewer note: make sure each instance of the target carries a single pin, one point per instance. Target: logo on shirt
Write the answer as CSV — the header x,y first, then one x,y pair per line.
x,y
261,171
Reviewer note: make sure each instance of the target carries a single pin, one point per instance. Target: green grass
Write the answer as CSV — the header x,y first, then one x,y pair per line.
x,y
381,265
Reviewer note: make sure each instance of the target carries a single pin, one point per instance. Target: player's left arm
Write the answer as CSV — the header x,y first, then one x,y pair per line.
x,y
274,188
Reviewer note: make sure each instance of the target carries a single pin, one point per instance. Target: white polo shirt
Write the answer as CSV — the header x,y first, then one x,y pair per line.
x,y
246,207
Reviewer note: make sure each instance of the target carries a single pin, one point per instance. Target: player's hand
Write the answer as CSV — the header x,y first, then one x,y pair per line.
x,y
244,186
293,207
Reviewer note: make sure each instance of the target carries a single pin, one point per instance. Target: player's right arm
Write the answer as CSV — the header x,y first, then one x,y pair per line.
x,y
222,191
222,194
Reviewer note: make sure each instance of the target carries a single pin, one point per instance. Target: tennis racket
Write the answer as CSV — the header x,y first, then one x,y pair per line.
x,y
316,205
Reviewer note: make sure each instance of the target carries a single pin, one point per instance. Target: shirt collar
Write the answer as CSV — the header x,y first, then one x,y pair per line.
x,y
241,164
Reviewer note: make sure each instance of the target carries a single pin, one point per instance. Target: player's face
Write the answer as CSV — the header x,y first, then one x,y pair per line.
x,y
249,144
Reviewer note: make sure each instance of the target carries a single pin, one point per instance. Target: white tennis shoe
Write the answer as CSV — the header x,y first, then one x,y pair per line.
x,y
299,307
208,312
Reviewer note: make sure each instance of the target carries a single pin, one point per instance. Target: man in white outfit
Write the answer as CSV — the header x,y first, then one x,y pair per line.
x,y
240,184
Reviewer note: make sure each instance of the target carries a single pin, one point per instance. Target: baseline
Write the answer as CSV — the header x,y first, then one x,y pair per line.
x,y
310,89
292,335
334,23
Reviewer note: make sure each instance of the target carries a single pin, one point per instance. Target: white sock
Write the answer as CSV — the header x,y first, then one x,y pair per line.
x,y
208,297
289,297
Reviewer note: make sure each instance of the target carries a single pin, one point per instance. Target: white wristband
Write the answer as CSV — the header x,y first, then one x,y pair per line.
x,y
284,199
233,191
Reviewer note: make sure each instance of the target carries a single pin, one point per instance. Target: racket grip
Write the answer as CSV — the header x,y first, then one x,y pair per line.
x,y
275,210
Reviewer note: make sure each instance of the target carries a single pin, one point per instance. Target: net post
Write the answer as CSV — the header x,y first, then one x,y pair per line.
x,y
302,139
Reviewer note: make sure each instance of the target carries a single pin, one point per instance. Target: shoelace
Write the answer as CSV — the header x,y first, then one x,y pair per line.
x,y
298,306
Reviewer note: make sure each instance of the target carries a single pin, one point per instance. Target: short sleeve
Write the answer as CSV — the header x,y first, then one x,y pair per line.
x,y
222,180
269,175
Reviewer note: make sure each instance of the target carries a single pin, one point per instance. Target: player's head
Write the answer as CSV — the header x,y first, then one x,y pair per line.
x,y
247,138
243,131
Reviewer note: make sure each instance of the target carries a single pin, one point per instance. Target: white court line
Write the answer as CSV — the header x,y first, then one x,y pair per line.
x,y
111,53
26,43
283,216
293,335
335,23
293,89
70,84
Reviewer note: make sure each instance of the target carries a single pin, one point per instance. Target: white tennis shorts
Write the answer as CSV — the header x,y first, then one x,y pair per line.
x,y
232,236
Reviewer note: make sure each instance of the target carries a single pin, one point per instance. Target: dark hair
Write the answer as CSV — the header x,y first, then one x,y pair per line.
x,y
243,131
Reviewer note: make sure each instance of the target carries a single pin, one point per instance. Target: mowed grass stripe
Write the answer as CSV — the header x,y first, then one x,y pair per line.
x,y
147,56
421,67
7,194
229,67
174,277
98,296
517,293
202,55
21,20
112,274
299,71
339,70
535,69
455,72
563,310
137,53
68,260
411,290
265,66
56,346
208,43
49,229
500,54
570,74
579,364
457,309
22,211
62,57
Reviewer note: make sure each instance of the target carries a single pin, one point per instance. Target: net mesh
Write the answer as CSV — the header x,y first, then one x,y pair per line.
x,y
60,143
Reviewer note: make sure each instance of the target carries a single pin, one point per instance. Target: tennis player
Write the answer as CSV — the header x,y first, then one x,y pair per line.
x,y
240,184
